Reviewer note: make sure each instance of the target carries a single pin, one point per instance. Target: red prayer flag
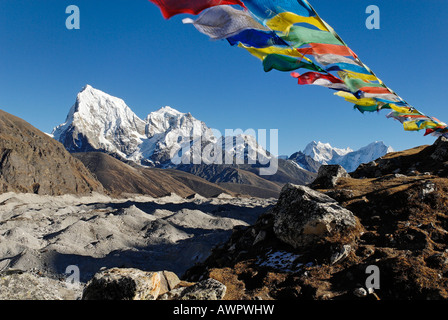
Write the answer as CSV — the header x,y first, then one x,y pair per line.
x,y
320,48
170,8
429,131
311,77
375,90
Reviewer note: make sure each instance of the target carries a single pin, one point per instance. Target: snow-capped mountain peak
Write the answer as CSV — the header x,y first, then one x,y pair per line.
x,y
165,113
324,152
168,131
99,121
167,118
245,148
97,106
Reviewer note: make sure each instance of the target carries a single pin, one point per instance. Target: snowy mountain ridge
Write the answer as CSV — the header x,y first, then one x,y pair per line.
x,y
318,153
100,122
324,152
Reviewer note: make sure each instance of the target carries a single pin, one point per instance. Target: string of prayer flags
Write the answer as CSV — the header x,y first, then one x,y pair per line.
x,y
289,35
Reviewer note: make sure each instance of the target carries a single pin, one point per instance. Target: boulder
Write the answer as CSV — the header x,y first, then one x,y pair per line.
x,y
304,217
328,176
168,281
123,284
134,284
209,289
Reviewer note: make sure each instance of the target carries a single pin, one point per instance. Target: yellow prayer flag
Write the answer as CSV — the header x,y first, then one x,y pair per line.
x,y
413,126
366,102
410,126
362,76
261,53
285,20
400,109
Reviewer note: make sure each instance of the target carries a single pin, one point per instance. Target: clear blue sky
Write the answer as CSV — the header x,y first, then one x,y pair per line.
x,y
127,49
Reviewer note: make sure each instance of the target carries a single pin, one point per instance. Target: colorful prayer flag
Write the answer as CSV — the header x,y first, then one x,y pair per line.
x,y
288,35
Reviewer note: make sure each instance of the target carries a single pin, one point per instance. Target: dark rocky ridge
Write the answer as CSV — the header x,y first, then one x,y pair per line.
x,y
306,162
33,162
246,177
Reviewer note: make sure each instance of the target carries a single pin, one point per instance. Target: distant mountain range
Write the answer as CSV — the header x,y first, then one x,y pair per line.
x,y
99,122
316,154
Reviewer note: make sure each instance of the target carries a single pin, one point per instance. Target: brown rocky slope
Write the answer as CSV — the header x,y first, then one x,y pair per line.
x,y
391,214
32,162
119,178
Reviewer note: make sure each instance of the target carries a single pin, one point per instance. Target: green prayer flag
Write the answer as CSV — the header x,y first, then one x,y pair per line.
x,y
287,63
299,36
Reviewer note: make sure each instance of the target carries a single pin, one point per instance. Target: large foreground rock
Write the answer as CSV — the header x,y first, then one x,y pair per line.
x,y
304,217
135,284
328,176
123,284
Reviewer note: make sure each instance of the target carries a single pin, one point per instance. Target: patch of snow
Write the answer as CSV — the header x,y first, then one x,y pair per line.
x,y
280,260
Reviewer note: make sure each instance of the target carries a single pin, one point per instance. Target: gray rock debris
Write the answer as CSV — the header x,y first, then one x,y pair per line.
x,y
209,289
428,187
340,255
21,285
304,216
360,292
328,176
